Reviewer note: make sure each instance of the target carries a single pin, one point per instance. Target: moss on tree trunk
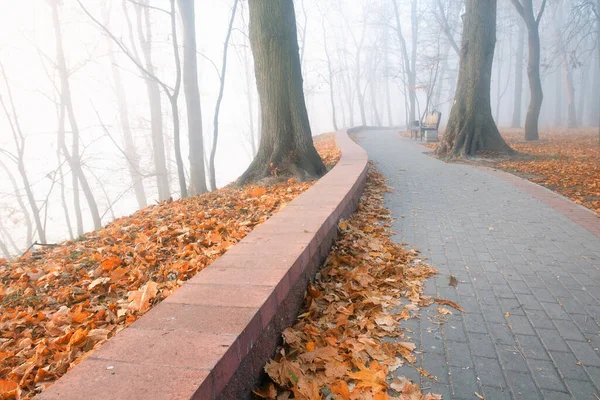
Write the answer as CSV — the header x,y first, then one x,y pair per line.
x,y
286,147
471,127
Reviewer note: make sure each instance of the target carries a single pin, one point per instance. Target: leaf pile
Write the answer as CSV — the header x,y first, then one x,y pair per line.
x,y
368,284
566,162
60,303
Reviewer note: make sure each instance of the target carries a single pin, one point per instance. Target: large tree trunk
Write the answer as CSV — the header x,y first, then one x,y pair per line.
x,y
153,90
471,127
518,95
192,98
73,159
286,146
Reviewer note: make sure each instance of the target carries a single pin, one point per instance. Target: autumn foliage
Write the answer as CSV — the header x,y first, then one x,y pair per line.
x,y
367,286
60,303
566,162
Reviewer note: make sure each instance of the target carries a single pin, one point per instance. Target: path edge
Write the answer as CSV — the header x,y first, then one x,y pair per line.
x,y
211,338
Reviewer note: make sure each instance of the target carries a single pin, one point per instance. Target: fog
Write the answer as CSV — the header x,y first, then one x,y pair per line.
x,y
361,61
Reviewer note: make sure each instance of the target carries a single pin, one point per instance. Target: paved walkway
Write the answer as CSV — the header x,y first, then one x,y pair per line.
x,y
529,279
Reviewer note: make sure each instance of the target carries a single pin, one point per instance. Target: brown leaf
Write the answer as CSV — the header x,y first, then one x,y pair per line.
x,y
139,300
449,303
266,392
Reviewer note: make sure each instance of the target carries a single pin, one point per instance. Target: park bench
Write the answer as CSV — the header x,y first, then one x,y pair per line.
x,y
427,129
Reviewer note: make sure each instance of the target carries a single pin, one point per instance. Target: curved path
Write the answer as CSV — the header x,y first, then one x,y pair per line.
x,y
528,266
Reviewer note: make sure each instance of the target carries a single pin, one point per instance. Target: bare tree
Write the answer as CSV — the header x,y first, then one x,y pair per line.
x,y
153,91
172,93
192,98
19,160
518,92
409,61
532,21
213,151
132,156
73,158
329,73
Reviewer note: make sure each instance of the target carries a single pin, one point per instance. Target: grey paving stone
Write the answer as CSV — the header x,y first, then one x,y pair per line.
x,y
488,371
512,359
581,389
501,334
475,323
568,330
568,367
458,354
555,311
522,386
585,353
594,373
481,345
586,324
552,340
546,376
536,264
531,347
463,382
435,364
494,393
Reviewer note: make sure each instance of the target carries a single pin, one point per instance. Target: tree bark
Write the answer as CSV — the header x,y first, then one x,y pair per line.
x,y
518,94
73,158
525,10
192,98
471,127
286,146
213,151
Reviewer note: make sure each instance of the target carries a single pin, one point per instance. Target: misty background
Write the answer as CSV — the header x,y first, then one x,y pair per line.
x,y
361,60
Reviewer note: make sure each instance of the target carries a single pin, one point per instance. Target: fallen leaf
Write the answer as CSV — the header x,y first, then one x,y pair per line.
x,y
139,300
449,303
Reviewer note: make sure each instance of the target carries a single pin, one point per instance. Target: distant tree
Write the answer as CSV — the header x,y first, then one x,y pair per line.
x,y
73,157
286,146
172,93
518,92
132,156
9,109
532,21
471,127
409,60
222,74
192,98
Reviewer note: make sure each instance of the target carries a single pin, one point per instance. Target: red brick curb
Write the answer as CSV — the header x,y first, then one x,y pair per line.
x,y
211,338
575,212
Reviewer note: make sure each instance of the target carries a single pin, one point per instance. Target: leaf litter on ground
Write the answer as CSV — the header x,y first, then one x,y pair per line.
x,y
348,338
58,304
